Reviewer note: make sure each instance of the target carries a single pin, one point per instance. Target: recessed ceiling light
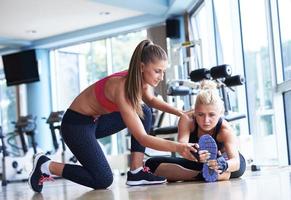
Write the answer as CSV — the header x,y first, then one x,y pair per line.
x,y
31,31
104,13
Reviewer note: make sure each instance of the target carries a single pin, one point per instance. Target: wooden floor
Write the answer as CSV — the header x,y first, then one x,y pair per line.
x,y
269,183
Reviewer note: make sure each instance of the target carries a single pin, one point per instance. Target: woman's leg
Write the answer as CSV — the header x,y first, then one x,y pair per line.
x,y
78,132
184,170
137,150
111,123
95,171
228,175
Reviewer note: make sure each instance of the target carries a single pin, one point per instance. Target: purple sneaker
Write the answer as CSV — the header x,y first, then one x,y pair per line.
x,y
206,142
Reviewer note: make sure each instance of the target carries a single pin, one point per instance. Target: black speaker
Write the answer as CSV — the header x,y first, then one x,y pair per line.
x,y
173,28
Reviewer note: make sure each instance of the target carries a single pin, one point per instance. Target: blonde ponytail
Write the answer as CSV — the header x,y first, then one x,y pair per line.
x,y
209,95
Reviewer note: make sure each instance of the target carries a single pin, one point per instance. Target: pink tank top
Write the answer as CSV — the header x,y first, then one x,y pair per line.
x,y
100,95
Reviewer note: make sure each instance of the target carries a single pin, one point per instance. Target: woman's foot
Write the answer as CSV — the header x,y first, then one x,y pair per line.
x,y
206,142
36,177
144,177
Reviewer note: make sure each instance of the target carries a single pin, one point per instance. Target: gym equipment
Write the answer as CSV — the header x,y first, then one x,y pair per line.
x,y
58,154
181,88
216,72
26,124
17,166
200,74
222,74
220,71
234,81
4,154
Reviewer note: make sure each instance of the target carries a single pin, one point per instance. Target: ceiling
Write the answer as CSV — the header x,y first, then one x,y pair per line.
x,y
51,23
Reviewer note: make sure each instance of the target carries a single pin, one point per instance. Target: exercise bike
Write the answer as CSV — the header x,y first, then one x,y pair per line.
x,y
17,163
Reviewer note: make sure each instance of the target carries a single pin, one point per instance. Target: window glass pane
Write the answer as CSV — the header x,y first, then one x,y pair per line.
x,y
202,30
96,63
8,104
8,110
123,47
284,16
67,78
259,79
229,52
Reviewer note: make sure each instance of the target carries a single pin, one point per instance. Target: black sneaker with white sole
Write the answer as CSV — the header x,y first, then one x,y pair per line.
x,y
36,177
144,177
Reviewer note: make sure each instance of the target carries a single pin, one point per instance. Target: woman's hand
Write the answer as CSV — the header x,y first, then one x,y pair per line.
x,y
220,165
187,150
204,155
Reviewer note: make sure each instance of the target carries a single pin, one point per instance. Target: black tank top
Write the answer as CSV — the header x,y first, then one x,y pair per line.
x,y
194,134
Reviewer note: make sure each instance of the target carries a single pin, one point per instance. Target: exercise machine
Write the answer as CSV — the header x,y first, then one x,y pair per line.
x,y
222,74
17,163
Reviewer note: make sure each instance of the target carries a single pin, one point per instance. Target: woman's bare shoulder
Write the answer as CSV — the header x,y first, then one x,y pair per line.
x,y
226,131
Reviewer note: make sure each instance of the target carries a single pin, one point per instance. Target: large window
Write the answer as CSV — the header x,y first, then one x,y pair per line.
x,y
259,79
8,104
285,82
122,48
284,16
228,39
203,32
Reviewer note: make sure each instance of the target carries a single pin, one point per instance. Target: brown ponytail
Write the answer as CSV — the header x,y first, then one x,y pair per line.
x,y
145,52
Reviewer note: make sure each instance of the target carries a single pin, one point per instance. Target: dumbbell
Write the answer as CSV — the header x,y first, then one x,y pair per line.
x,y
200,74
234,81
220,71
178,91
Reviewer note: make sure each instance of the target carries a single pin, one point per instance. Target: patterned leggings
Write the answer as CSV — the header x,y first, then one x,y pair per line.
x,y
154,162
80,133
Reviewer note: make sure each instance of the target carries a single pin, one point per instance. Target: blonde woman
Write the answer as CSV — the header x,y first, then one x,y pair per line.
x,y
104,108
218,156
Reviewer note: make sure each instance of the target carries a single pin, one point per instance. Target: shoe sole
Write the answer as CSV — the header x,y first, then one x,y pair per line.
x,y
144,182
206,142
35,160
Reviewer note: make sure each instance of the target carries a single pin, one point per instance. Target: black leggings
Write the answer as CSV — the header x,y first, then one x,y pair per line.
x,y
80,132
154,162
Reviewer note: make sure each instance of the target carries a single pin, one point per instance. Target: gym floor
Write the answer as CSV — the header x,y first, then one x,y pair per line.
x,y
269,183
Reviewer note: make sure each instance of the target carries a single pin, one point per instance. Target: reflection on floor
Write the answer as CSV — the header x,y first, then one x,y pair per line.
x,y
269,183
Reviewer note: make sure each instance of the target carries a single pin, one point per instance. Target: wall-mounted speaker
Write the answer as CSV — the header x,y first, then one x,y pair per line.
x,y
173,28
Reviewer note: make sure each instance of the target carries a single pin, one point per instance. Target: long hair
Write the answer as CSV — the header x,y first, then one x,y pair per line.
x,y
209,95
145,52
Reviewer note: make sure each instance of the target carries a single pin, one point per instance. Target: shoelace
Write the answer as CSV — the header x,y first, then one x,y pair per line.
x,y
45,178
146,169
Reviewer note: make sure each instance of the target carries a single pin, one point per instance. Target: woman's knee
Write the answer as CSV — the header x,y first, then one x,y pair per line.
x,y
103,181
242,167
